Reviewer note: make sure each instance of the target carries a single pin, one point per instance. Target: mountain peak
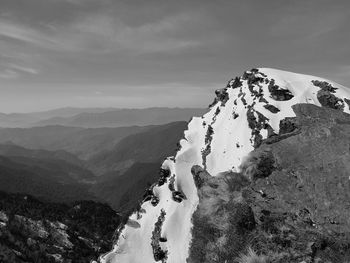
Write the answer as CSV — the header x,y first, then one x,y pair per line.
x,y
250,109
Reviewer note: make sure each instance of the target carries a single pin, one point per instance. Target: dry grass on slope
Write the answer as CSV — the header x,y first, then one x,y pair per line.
x,y
252,257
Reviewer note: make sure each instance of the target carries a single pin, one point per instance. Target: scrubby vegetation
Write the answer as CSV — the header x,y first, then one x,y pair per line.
x,y
39,232
286,204
252,257
259,164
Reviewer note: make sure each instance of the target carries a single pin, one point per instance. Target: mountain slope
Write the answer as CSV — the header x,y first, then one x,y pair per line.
x,y
14,150
123,192
290,201
35,231
48,179
125,117
150,146
244,113
79,141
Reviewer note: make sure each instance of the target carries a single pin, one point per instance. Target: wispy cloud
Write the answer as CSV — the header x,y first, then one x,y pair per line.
x,y
103,33
23,69
26,34
106,33
8,74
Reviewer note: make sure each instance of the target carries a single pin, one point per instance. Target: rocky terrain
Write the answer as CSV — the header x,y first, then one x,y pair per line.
x,y
33,231
289,203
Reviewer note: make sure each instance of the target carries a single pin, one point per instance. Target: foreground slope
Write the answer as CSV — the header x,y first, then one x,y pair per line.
x,y
244,113
290,201
35,231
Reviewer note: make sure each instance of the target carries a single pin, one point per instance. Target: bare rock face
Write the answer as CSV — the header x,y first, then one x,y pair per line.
x,y
298,211
326,95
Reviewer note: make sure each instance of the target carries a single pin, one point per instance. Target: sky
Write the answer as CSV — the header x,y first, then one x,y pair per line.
x,y
137,53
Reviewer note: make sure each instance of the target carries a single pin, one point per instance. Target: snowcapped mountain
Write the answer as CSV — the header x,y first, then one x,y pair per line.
x,y
242,115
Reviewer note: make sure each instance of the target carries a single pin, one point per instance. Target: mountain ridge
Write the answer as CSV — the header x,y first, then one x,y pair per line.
x,y
246,112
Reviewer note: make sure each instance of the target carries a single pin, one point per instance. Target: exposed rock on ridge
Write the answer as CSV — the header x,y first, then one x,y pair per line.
x,y
297,212
229,150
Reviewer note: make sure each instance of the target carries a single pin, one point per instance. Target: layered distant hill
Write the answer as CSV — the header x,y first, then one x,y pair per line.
x,y
79,141
99,117
152,145
29,119
61,163
47,178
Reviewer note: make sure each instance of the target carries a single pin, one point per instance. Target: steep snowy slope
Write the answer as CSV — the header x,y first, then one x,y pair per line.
x,y
244,113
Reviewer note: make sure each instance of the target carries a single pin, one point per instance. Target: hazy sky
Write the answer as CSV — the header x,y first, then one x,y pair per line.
x,y
130,53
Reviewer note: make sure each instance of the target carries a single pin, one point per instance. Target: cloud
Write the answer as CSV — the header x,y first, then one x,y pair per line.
x,y
106,33
23,69
103,33
26,34
9,74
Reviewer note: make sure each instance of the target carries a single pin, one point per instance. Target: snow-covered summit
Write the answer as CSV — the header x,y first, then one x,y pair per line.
x,y
244,113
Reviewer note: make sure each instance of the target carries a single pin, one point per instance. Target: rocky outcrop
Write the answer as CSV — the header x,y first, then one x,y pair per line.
x,y
291,200
326,95
158,253
278,93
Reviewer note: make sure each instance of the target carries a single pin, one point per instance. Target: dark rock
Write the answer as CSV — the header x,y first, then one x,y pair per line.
x,y
148,195
200,176
279,94
163,175
208,139
155,200
222,95
288,125
158,253
262,99
271,108
236,83
164,172
347,102
171,183
323,85
161,181
326,97
163,239
178,196
209,134
256,125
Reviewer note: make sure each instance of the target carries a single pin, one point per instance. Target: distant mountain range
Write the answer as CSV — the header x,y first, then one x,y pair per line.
x,y
152,145
29,119
58,163
98,117
79,141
